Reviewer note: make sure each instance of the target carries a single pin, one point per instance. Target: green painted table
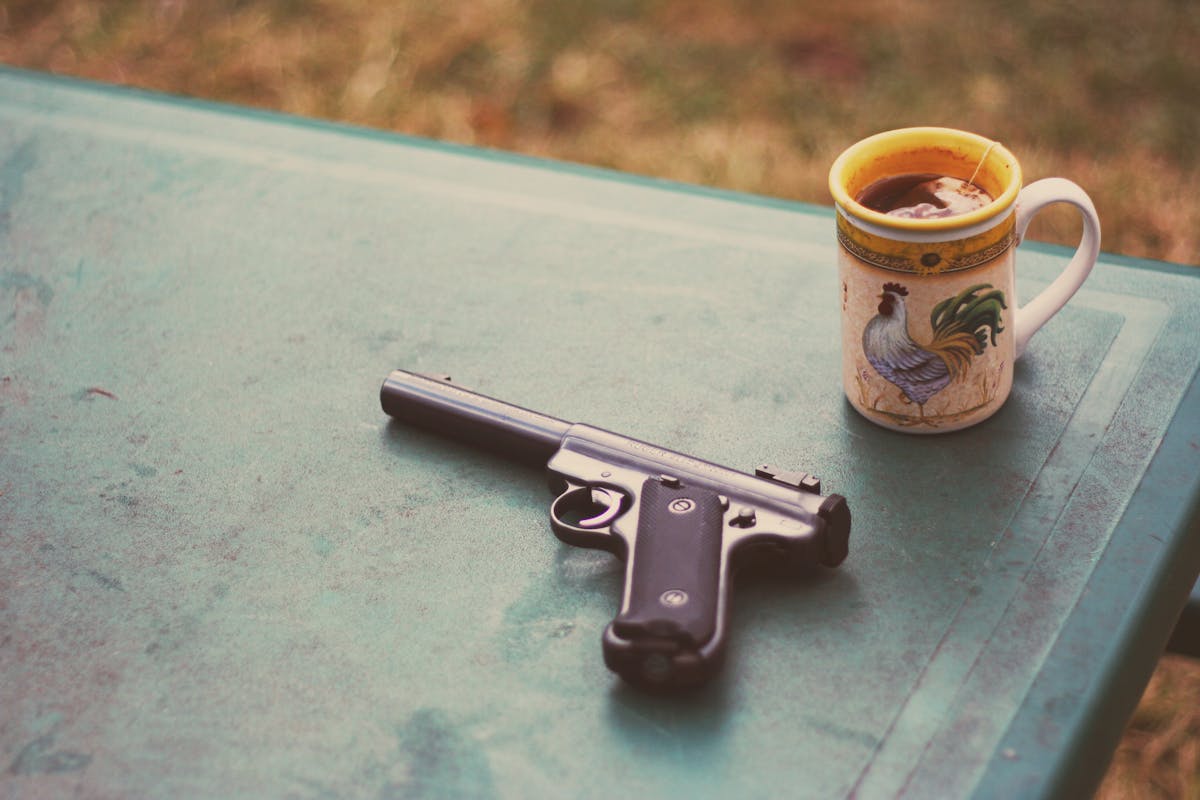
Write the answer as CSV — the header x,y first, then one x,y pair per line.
x,y
224,574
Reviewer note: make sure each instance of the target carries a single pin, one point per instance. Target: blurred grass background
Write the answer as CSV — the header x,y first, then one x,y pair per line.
x,y
752,95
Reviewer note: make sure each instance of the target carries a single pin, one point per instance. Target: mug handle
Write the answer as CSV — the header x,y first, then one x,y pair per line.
x,y
1032,199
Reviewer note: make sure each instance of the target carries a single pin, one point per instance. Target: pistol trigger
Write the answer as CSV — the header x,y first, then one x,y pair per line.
x,y
582,514
609,502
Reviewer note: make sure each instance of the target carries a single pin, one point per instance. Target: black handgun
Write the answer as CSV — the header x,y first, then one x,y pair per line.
x,y
680,524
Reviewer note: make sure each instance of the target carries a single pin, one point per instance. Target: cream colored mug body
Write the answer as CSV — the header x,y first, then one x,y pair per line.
x,y
930,329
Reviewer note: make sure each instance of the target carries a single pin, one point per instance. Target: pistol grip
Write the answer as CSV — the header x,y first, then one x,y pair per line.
x,y
668,629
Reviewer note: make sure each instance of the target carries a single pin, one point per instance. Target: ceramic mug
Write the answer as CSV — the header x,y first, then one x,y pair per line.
x,y
929,326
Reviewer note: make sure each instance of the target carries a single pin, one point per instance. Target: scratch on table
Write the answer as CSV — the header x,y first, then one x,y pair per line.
x,y
37,758
12,181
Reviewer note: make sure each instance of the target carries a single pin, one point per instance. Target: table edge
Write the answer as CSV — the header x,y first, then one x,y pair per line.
x,y
1089,733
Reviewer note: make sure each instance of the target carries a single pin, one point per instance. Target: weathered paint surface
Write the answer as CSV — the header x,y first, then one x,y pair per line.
x,y
223,574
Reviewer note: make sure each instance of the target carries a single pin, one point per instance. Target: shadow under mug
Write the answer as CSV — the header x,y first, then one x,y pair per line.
x,y
929,329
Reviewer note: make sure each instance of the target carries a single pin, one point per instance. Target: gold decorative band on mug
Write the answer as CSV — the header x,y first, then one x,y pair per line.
x,y
927,258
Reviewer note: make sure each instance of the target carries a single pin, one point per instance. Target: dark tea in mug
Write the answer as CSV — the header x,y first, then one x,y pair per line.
x,y
923,195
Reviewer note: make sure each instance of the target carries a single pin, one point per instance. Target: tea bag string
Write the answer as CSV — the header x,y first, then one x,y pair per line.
x,y
982,158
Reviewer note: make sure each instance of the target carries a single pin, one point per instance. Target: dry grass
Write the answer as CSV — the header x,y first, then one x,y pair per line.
x,y
1159,756
756,95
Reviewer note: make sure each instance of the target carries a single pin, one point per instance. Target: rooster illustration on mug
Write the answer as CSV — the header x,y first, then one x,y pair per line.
x,y
963,325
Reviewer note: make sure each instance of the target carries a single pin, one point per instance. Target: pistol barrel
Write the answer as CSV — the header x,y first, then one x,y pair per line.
x,y
437,405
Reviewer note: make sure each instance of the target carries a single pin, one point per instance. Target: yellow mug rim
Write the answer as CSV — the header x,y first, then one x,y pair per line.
x,y
930,139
